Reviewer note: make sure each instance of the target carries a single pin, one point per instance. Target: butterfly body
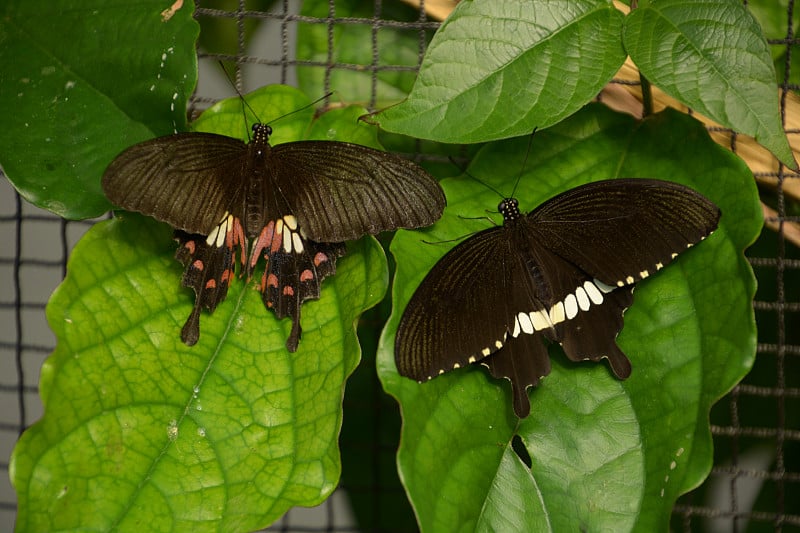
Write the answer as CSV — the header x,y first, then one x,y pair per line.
x,y
292,204
564,273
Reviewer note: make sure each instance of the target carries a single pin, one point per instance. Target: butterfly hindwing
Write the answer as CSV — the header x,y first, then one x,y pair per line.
x,y
294,269
209,266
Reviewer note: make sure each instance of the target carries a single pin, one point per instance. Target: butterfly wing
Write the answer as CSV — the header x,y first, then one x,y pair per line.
x,y
293,273
621,231
208,270
465,308
188,180
340,191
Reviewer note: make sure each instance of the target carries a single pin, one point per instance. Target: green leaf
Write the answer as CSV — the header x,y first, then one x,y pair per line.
x,y
82,80
500,69
606,454
352,48
713,57
223,436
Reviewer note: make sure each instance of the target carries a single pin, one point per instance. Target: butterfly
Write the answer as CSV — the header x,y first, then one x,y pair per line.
x,y
563,273
295,204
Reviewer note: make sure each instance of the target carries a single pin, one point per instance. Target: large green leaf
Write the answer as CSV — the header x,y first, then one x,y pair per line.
x,y
351,50
140,430
713,57
82,80
500,69
606,454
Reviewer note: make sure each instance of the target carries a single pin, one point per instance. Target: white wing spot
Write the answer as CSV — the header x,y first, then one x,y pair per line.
x,y
290,221
525,322
583,299
643,274
673,256
629,280
456,365
659,266
557,313
472,358
593,292
298,242
287,240
605,289
571,306
498,344
516,331
218,234
540,320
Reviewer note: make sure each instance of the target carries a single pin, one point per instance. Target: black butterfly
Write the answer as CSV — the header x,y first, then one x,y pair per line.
x,y
565,272
294,203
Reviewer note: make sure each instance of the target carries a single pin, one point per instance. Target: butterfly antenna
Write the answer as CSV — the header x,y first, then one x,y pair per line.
x,y
245,105
466,172
315,102
524,162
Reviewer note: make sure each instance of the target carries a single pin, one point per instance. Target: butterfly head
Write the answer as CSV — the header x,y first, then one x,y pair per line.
x,y
261,133
509,208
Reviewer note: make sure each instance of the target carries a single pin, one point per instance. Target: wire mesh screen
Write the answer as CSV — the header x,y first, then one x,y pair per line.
x,y
755,481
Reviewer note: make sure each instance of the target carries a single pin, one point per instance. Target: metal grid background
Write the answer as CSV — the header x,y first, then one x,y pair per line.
x,y
755,482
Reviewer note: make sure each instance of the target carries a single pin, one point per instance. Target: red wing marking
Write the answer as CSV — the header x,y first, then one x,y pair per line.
x,y
320,258
294,268
264,241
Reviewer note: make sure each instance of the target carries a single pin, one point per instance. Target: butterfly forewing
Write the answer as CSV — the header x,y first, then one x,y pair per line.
x,y
621,231
465,307
342,191
188,180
